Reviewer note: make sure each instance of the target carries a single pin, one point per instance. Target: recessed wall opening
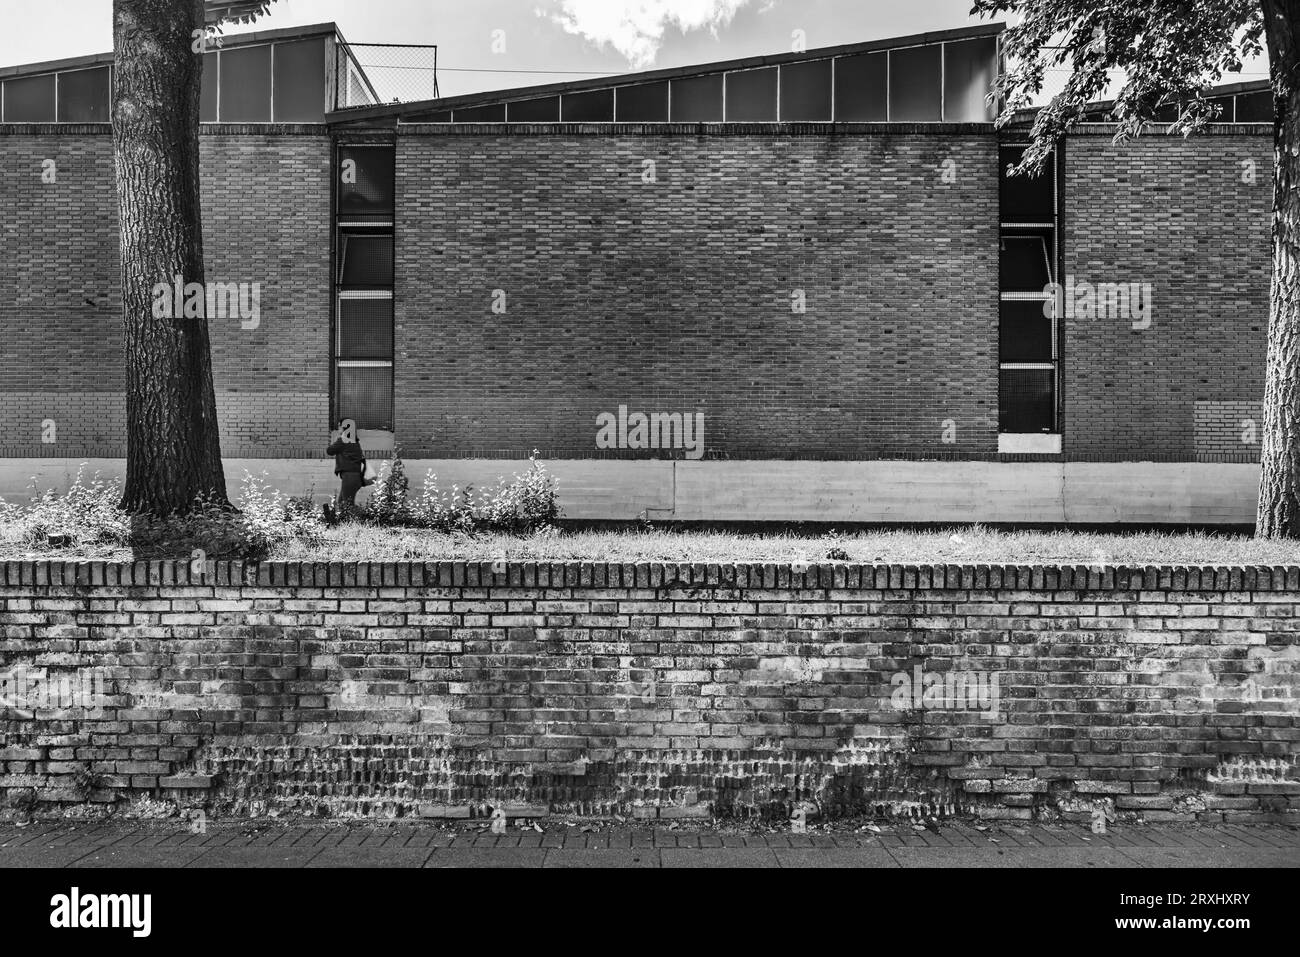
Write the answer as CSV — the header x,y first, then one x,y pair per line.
x,y
1028,326
364,289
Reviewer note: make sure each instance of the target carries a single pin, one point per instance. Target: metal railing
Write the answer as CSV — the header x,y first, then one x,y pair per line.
x,y
370,74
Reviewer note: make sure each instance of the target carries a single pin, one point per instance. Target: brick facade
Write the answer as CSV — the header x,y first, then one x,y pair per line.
x,y
675,295
664,288
1192,218
266,200
1229,429
660,690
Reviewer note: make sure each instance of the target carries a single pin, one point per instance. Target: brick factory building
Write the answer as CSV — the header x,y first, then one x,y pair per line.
x,y
795,287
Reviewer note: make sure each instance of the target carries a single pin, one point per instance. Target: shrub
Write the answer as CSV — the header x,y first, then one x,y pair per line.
x,y
87,516
388,500
299,507
267,520
527,504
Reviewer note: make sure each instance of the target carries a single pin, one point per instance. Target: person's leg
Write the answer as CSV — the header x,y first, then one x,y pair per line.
x,y
350,485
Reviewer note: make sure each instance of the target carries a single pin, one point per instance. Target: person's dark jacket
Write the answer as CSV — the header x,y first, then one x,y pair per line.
x,y
348,457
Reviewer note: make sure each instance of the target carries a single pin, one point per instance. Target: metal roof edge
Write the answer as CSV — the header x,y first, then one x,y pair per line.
x,y
682,128
975,32
235,40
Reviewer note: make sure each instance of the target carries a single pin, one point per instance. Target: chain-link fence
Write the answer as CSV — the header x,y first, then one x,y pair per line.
x,y
375,73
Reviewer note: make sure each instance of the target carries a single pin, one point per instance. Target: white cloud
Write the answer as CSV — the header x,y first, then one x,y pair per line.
x,y
635,28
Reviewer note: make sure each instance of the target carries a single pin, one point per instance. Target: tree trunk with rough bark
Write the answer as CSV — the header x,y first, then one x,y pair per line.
x,y
1279,483
173,446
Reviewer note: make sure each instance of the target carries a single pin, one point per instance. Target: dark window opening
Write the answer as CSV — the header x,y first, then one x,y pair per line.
x,y
366,328
492,113
915,93
1254,107
246,85
365,395
594,107
1027,400
364,315
1027,260
806,91
29,100
1025,332
542,110
366,261
84,96
861,88
643,103
1026,198
1027,324
366,181
300,82
751,96
697,99
1167,113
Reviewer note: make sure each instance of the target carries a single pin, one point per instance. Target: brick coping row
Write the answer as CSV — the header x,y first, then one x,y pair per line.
x,y
573,574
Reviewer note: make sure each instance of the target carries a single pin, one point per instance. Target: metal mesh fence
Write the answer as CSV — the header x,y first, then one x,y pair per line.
x,y
374,73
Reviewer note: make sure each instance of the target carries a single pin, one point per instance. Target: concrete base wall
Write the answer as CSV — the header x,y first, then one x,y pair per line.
x,y
1198,493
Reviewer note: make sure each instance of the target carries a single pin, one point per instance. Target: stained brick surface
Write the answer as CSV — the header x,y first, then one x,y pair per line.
x,y
675,295
1228,429
664,296
1177,214
661,690
266,220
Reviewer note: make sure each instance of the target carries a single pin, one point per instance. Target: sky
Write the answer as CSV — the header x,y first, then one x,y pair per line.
x,y
500,44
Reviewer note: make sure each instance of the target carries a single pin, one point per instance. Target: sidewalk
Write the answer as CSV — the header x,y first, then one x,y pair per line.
x,y
559,844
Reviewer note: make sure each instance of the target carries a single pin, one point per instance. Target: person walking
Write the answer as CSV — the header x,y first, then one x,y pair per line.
x,y
350,467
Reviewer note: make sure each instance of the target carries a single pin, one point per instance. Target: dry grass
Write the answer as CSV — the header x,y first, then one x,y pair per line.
x,y
958,545
87,515
964,545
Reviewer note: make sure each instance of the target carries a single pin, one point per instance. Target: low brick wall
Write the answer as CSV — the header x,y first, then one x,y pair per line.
x,y
652,690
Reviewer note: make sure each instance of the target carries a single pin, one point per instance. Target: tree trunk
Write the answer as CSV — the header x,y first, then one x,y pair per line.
x,y
1279,481
173,447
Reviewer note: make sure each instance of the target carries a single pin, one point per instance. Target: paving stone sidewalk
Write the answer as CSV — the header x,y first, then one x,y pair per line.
x,y
259,844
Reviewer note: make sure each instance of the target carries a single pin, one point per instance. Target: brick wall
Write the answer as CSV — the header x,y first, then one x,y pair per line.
x,y
657,690
266,197
675,295
1183,216
668,296
1228,430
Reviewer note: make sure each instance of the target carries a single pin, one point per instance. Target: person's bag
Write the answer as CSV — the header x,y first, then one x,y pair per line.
x,y
367,474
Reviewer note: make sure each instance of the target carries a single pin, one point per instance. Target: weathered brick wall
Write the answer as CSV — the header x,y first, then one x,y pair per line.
x,y
675,295
1192,218
672,295
658,690
266,209
1228,429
